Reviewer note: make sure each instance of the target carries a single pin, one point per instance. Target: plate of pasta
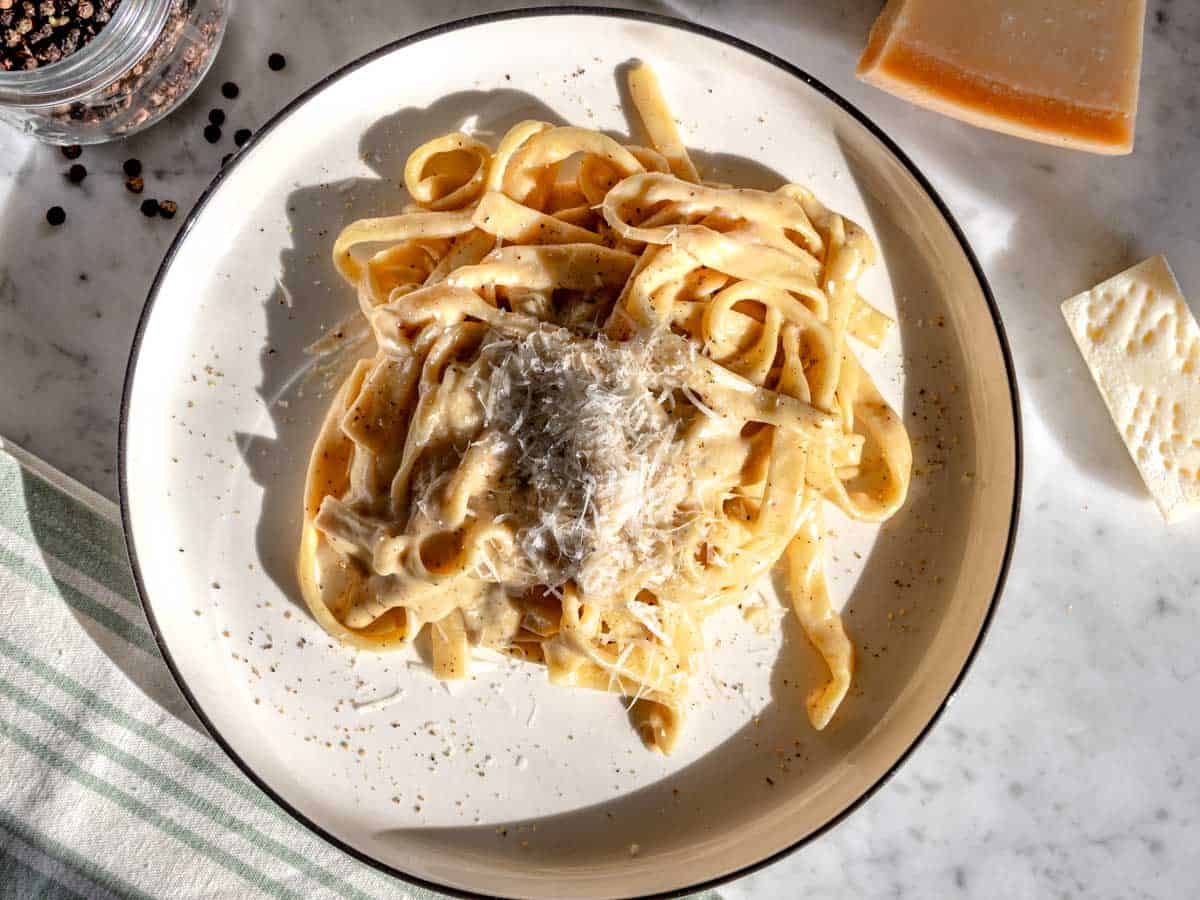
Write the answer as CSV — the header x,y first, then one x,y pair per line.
x,y
585,473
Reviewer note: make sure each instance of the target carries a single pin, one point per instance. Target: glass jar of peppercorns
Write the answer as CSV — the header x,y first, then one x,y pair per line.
x,y
88,71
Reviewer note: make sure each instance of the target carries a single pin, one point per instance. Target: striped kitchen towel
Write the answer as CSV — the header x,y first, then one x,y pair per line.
x,y
110,787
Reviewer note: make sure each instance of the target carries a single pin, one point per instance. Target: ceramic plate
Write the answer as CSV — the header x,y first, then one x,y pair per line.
x,y
505,784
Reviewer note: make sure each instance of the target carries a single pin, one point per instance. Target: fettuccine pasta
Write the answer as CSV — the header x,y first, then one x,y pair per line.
x,y
606,398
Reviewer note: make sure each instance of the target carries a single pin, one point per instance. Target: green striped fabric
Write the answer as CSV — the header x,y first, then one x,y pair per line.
x,y
110,787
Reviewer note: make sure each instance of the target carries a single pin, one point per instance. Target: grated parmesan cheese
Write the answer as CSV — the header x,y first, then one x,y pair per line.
x,y
593,450
369,706
650,616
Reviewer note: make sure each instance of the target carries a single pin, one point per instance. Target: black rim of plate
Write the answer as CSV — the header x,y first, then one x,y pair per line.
x,y
605,12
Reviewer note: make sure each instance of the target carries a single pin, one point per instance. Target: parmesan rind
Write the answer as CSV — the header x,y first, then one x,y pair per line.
x,y
1142,345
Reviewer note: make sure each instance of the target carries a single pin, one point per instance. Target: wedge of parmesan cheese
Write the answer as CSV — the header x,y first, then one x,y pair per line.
x,y
1064,72
1142,346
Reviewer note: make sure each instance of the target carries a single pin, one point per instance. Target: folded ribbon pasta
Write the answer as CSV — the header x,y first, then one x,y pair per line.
x,y
606,398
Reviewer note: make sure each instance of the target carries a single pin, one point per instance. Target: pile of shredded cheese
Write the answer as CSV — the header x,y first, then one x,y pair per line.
x,y
594,452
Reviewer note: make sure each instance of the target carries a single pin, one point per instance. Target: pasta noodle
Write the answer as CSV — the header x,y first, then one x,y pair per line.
x,y
606,398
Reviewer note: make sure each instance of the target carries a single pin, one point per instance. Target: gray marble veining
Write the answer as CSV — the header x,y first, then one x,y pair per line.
x,y
1066,766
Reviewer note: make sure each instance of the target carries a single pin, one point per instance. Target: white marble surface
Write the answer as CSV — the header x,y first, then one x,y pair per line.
x,y
1067,766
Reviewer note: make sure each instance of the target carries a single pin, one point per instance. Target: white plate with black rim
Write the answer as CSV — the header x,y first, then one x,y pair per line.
x,y
506,785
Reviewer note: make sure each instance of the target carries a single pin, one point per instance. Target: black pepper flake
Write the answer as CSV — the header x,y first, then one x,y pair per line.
x,y
135,184
212,133
229,90
76,173
72,152
241,136
216,116
276,61
56,215
149,208
168,208
132,167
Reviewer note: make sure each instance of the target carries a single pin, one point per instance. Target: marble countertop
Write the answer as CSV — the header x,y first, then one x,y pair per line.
x,y
1067,765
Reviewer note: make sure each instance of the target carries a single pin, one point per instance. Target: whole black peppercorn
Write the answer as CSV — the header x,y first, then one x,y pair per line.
x,y
132,167
229,90
167,209
72,152
135,184
216,116
149,208
212,133
275,62
76,173
56,215
241,136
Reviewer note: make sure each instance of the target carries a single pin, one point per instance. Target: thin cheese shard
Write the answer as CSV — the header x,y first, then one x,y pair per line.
x,y
1061,72
1142,346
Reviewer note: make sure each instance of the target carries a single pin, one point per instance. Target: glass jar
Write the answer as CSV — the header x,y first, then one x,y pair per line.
x,y
140,66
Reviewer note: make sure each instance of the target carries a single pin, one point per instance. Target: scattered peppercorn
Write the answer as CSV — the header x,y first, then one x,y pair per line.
x,y
132,167
229,90
72,151
212,133
216,116
76,173
241,136
135,184
56,215
168,208
276,62
149,208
